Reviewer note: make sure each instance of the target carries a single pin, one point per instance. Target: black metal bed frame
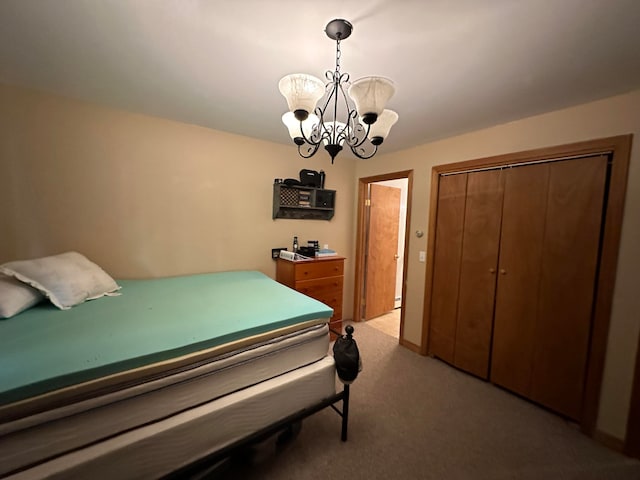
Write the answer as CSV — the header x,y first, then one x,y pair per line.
x,y
283,425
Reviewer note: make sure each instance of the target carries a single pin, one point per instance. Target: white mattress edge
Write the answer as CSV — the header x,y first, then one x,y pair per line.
x,y
162,447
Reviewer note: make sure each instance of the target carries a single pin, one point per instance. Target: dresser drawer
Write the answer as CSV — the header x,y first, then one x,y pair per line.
x,y
320,286
319,269
321,279
334,300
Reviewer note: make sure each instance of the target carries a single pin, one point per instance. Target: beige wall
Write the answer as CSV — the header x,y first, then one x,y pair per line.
x,y
148,197
614,116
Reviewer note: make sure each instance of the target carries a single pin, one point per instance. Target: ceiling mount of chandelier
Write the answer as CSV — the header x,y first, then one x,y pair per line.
x,y
366,122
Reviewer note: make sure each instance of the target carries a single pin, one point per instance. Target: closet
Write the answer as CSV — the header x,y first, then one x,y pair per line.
x,y
515,268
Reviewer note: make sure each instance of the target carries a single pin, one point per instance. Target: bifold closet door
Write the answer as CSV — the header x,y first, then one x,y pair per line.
x,y
446,265
479,261
465,262
548,263
567,283
516,309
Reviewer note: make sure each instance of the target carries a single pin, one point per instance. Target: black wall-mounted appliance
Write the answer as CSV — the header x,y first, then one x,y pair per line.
x,y
310,178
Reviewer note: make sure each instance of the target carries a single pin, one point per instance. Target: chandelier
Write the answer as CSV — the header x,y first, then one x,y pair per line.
x,y
365,125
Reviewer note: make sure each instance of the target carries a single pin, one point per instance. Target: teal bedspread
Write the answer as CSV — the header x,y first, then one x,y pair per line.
x,y
44,348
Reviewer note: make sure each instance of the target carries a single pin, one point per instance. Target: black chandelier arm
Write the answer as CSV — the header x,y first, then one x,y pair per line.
x,y
318,134
309,140
333,77
338,78
326,133
311,149
327,136
359,134
331,86
353,125
345,97
364,155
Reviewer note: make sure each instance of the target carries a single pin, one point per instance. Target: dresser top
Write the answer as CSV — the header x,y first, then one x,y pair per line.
x,y
317,259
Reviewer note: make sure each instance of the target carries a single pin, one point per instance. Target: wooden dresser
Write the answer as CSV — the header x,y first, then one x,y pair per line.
x,y
321,278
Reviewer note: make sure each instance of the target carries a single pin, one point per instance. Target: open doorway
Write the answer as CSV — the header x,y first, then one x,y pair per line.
x,y
383,219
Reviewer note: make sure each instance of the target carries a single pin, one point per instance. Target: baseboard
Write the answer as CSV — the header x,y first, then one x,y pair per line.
x,y
411,346
609,441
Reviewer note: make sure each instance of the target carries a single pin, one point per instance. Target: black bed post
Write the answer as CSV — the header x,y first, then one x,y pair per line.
x,y
345,413
345,397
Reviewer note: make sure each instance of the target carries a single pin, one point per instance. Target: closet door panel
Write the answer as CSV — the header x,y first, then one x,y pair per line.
x,y
568,272
523,218
446,269
480,245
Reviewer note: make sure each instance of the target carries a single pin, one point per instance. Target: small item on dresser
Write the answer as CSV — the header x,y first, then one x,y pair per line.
x,y
287,255
315,244
295,245
307,251
326,252
322,176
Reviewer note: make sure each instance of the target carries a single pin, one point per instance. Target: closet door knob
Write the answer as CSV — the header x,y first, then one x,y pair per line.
x,y
492,270
503,271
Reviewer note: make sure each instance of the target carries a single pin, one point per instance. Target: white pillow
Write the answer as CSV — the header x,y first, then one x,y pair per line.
x,y
67,279
16,297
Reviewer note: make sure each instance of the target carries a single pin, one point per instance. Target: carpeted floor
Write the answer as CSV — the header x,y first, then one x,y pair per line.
x,y
389,323
414,417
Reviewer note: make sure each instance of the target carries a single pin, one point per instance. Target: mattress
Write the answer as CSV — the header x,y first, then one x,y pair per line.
x,y
31,440
75,378
161,447
159,322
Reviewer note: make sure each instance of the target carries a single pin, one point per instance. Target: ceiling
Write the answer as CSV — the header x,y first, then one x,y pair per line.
x,y
458,65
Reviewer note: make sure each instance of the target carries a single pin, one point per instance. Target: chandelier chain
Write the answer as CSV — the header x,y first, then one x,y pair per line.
x,y
338,55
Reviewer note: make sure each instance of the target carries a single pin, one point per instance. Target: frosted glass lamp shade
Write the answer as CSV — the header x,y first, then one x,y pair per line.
x,y
293,125
302,93
371,94
380,129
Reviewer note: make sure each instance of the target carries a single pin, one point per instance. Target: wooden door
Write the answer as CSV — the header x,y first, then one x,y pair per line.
x,y
523,219
567,283
446,265
382,250
479,261
551,229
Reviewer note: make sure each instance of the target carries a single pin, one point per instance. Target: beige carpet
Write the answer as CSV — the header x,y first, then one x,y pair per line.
x,y
414,417
389,323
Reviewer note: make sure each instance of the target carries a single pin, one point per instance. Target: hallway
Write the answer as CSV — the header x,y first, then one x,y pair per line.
x,y
389,323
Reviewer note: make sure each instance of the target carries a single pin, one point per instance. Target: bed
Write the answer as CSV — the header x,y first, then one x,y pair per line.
x,y
148,382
